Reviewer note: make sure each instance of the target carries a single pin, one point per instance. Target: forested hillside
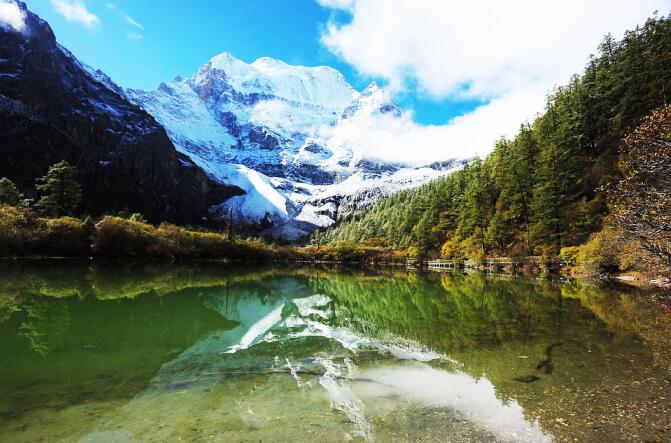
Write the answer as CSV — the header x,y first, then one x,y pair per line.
x,y
545,188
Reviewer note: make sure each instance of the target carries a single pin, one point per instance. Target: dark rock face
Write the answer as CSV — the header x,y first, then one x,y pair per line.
x,y
375,167
447,164
315,148
263,139
54,108
313,174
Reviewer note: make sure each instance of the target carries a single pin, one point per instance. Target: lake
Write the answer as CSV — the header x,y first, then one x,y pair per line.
x,y
110,352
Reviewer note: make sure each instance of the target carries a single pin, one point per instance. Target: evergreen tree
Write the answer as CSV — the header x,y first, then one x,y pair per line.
x,y
477,204
550,196
10,195
90,228
61,192
137,217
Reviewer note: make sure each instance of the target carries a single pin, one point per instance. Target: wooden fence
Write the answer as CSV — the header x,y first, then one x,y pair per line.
x,y
489,263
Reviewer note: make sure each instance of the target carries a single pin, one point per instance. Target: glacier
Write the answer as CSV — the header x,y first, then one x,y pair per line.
x,y
286,135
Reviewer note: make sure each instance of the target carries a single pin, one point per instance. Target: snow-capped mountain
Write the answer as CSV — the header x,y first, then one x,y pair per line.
x,y
286,135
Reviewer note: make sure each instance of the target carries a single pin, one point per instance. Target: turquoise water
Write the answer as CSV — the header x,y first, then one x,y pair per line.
x,y
203,352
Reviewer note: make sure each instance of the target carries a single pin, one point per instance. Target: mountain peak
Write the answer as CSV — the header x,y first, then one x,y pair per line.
x,y
18,22
225,61
268,128
372,87
269,62
371,101
317,89
374,92
223,56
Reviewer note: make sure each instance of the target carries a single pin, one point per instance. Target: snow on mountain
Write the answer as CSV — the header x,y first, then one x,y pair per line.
x,y
260,115
357,192
261,201
319,86
287,135
372,104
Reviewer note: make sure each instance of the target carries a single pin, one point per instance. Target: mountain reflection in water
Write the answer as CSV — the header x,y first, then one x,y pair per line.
x,y
200,352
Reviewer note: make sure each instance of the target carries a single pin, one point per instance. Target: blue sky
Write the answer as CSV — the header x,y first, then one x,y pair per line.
x,y
177,36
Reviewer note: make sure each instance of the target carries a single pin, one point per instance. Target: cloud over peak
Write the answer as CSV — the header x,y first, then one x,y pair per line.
x,y
507,54
12,15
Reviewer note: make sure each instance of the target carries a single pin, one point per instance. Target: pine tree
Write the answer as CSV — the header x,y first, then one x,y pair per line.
x,y
514,164
498,231
90,228
477,204
62,193
550,196
10,195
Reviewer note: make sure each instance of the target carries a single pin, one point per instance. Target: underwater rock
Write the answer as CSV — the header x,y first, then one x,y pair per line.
x,y
527,378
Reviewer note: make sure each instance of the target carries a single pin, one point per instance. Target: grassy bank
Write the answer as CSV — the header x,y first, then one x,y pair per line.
x,y
24,233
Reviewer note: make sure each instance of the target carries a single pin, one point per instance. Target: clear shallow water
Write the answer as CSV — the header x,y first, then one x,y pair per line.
x,y
118,353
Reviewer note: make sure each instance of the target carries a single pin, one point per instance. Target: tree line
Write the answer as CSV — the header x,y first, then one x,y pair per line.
x,y
546,188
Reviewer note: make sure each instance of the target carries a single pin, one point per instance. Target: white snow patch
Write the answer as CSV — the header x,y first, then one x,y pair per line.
x,y
260,201
177,107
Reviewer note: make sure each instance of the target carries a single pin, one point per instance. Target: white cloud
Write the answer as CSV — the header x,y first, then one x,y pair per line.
x,y
128,19
132,22
76,11
391,139
11,15
507,53
337,4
